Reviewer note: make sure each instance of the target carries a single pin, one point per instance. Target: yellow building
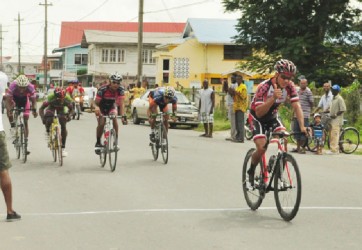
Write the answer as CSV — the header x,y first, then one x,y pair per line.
x,y
206,50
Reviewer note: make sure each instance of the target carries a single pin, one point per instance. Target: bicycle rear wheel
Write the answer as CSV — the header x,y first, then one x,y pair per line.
x,y
349,140
155,145
112,149
287,187
252,193
164,144
59,146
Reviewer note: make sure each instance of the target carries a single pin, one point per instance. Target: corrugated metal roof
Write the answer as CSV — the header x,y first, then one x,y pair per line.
x,y
72,32
97,36
211,31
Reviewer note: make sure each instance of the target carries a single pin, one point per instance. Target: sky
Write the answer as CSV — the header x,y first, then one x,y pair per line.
x,y
32,16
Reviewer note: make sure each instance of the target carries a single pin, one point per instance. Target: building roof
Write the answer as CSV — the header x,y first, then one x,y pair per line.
x,y
211,31
72,32
104,37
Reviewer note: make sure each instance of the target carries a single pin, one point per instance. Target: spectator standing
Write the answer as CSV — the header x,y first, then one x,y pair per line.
x,y
240,105
92,94
206,108
230,105
306,102
325,104
5,180
338,107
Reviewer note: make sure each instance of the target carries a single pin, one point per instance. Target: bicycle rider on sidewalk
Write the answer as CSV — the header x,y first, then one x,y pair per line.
x,y
105,104
63,103
264,108
161,97
19,94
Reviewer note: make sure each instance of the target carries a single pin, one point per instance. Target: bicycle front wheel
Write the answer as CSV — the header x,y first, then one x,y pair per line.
x,y
112,149
248,130
164,144
252,194
22,144
287,187
349,140
59,146
17,141
53,144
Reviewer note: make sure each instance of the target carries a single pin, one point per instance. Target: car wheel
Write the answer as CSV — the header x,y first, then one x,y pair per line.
x,y
135,118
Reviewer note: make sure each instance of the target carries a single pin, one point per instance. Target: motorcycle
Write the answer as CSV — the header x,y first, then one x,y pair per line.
x,y
77,109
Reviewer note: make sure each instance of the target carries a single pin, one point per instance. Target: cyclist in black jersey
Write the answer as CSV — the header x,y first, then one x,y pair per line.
x,y
105,104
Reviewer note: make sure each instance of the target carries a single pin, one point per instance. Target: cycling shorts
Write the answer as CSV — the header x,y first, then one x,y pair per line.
x,y
260,128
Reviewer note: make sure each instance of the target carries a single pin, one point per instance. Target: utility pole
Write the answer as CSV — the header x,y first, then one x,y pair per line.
x,y
140,40
19,43
46,42
1,47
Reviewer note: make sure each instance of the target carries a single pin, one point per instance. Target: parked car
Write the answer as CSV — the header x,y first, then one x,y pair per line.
x,y
187,113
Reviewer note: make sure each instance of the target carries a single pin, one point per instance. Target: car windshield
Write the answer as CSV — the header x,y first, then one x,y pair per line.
x,y
181,98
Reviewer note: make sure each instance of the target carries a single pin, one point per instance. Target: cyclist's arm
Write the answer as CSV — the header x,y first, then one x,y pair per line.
x,y
263,108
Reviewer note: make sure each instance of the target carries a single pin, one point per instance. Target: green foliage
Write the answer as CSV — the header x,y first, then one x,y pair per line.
x,y
316,35
351,97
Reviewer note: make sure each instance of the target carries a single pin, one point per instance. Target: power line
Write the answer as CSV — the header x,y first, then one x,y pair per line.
x,y
94,10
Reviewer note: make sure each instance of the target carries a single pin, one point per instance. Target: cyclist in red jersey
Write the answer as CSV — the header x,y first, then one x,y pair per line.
x,y
264,108
105,104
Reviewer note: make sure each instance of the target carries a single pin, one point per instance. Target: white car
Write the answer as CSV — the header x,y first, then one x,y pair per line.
x,y
187,113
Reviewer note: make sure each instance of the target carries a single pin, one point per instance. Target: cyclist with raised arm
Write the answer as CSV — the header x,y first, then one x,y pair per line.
x,y
19,94
161,97
105,104
264,108
62,103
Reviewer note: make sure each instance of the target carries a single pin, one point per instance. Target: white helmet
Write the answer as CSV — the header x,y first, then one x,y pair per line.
x,y
3,78
22,81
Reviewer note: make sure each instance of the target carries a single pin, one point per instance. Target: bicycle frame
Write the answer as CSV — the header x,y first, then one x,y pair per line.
x,y
20,143
55,139
110,143
161,140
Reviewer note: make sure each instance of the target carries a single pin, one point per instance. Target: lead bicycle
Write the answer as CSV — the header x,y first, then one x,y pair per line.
x,y
280,175
55,140
20,143
110,144
161,140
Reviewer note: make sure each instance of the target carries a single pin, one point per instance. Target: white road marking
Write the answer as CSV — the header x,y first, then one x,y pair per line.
x,y
181,210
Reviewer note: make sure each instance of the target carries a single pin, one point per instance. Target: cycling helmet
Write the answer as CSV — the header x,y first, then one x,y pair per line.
x,y
317,114
59,92
3,78
169,92
336,87
286,67
116,77
22,81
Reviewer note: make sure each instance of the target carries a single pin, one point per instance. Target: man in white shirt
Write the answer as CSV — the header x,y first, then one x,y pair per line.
x,y
5,164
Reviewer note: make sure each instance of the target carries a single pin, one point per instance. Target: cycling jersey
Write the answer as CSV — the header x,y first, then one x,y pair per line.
x,y
19,95
264,91
53,103
157,96
107,98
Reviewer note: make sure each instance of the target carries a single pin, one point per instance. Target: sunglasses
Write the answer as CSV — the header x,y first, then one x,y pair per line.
x,y
284,77
115,82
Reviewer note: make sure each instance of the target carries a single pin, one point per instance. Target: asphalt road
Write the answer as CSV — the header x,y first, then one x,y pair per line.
x,y
193,202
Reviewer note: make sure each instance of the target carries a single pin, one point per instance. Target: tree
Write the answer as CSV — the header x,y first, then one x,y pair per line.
x,y
322,37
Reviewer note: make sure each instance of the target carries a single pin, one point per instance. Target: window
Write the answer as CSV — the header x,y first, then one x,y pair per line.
x,y
166,68
215,81
81,59
113,55
147,57
104,55
236,52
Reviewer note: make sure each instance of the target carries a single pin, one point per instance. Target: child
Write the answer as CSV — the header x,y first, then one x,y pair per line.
x,y
318,132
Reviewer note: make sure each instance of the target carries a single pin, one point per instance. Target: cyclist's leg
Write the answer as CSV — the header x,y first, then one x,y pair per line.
x,y
48,119
10,104
101,121
152,110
